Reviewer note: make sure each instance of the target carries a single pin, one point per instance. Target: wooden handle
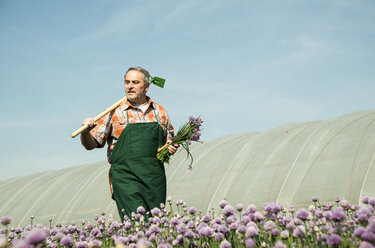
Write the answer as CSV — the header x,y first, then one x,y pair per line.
x,y
84,127
164,146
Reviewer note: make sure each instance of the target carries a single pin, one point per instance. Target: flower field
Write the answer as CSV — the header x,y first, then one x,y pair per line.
x,y
339,224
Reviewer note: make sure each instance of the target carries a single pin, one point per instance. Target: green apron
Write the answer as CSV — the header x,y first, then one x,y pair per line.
x,y
138,177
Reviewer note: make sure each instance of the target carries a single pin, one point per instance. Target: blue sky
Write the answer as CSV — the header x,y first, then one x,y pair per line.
x,y
244,66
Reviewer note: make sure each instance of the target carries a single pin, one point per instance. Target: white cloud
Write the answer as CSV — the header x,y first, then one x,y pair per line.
x,y
188,8
122,22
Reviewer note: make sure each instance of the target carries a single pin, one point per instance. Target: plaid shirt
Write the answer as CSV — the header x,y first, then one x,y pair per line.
x,y
110,126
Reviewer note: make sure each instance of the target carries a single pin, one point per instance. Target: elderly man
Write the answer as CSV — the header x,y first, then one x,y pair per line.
x,y
133,131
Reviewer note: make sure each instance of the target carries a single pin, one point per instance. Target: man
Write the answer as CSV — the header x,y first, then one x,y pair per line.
x,y
133,131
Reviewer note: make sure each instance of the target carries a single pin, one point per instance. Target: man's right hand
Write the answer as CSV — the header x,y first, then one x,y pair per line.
x,y
86,139
89,122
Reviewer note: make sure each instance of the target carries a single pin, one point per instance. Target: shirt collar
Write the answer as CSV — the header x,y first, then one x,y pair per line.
x,y
126,104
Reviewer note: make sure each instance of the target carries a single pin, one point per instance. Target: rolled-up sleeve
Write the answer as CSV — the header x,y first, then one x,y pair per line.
x,y
102,129
170,129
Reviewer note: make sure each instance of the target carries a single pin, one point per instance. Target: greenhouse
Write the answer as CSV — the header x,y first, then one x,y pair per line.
x,y
288,164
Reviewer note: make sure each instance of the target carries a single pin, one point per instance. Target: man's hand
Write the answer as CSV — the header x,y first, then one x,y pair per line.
x,y
172,149
89,122
86,139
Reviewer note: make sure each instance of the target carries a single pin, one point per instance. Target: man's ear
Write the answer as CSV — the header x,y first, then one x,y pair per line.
x,y
146,88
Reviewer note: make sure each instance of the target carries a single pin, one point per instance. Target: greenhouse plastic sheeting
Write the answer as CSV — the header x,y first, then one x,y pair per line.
x,y
287,164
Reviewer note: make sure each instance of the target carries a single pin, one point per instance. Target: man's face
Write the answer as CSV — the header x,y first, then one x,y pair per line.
x,y
135,87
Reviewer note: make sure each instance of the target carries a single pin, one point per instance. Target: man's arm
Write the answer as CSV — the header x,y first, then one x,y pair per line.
x,y
86,139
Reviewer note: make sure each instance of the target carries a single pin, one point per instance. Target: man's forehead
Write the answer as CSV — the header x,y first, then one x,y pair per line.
x,y
134,75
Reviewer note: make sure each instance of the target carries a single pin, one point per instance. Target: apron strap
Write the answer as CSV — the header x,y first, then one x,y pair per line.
x,y
127,117
156,116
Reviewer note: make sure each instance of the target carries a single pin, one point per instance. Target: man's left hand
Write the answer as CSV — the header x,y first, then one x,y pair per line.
x,y
172,149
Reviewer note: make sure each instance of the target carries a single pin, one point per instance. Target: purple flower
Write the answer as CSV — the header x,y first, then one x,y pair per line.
x,y
154,229
233,226
206,218
180,239
345,204
219,236
217,220
245,219
181,229
175,221
144,243
249,243
269,225
21,244
101,220
284,234
121,240
362,217
371,224
252,208
276,207
223,229
18,230
155,211
338,215
81,244
279,244
365,244
115,225
89,226
35,236
66,241
225,244
368,236
189,234
95,243
365,199
299,231
251,232
334,239
5,220
223,203
358,232
267,207
275,231
231,219
95,232
314,199
258,216
371,201
141,210
185,219
239,207
206,231
190,225
290,225
302,214
192,210
228,210
318,213
242,229
140,234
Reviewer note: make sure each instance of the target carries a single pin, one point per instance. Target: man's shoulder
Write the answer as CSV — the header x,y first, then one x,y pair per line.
x,y
158,107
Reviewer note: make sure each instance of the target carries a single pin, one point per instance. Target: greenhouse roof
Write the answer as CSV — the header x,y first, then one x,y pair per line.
x,y
287,164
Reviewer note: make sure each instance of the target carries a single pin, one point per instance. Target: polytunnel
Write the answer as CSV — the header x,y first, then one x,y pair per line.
x,y
288,164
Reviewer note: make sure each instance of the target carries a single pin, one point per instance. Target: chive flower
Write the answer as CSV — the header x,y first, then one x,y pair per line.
x,y
188,132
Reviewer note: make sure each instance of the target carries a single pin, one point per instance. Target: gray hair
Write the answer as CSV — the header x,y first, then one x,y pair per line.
x,y
146,74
